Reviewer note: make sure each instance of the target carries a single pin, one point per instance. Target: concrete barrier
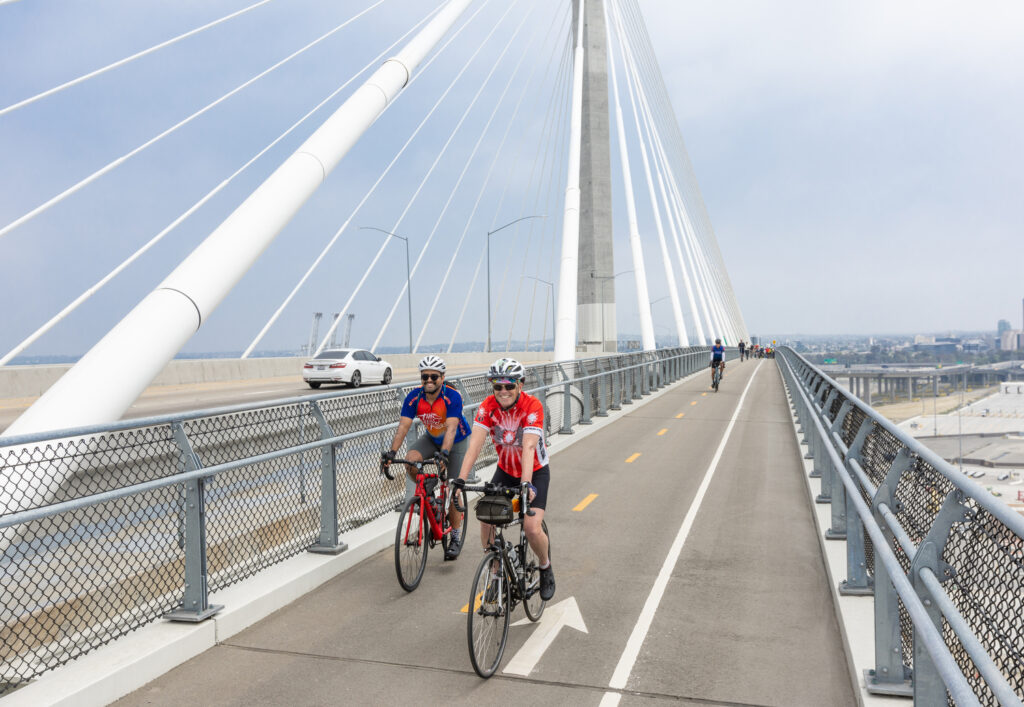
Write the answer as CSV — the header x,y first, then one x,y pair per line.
x,y
33,381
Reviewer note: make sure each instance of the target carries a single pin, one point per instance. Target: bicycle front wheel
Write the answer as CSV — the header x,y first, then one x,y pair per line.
x,y
532,603
489,610
410,545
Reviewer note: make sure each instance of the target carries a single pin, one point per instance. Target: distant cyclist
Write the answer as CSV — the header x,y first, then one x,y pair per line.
x,y
515,421
439,407
743,348
717,360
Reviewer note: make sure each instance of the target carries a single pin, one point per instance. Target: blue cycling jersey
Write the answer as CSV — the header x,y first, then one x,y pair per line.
x,y
718,353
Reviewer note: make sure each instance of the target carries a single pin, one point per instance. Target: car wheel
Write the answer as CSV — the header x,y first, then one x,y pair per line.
x,y
313,385
387,377
357,380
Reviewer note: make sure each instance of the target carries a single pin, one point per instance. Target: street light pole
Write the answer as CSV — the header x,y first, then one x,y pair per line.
x,y
551,295
605,279
489,234
408,273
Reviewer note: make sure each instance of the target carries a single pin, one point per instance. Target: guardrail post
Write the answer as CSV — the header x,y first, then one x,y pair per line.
x,y
889,676
195,602
328,543
857,582
602,396
928,686
627,387
586,386
830,479
567,410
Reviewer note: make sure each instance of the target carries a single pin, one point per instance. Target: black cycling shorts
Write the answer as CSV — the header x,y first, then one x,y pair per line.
x,y
541,479
716,361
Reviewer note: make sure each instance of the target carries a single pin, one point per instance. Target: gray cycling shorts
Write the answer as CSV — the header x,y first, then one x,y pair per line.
x,y
427,447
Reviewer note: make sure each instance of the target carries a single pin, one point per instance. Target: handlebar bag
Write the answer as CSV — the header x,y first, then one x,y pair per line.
x,y
494,510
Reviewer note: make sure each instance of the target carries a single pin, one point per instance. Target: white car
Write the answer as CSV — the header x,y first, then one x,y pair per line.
x,y
351,366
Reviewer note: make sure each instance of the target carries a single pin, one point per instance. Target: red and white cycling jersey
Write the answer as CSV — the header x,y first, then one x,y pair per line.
x,y
507,428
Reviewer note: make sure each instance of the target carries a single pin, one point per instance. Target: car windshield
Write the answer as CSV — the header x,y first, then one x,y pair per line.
x,y
333,354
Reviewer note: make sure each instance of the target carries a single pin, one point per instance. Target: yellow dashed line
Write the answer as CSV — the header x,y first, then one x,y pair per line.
x,y
584,503
680,415
633,458
694,402
476,604
663,432
703,394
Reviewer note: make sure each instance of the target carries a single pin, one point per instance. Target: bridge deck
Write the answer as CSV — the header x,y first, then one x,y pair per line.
x,y
746,616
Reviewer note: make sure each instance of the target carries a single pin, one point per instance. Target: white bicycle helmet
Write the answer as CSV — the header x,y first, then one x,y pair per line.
x,y
432,363
506,368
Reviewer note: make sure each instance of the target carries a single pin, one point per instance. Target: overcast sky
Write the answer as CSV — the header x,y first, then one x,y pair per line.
x,y
860,163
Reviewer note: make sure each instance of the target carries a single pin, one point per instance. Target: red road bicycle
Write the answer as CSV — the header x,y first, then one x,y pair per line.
x,y
423,521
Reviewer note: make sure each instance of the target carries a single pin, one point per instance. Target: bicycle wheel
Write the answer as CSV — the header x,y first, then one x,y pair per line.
x,y
488,616
532,602
410,545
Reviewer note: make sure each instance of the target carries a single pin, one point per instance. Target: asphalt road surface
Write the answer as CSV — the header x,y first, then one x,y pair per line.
x,y
715,542
167,399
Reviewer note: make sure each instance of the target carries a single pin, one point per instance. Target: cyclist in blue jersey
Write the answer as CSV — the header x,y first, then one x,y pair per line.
x,y
439,408
717,359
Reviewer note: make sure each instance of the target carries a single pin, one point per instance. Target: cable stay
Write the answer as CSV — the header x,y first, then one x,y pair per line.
x,y
121,62
642,294
462,174
337,234
71,307
423,182
516,160
658,226
128,155
550,133
490,170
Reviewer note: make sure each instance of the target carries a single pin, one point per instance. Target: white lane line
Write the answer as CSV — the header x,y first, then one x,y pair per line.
x,y
643,624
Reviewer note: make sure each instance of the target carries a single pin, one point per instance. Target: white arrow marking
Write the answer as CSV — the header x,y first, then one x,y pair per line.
x,y
565,613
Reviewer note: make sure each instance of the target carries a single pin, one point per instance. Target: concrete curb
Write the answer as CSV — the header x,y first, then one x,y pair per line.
x,y
856,615
129,663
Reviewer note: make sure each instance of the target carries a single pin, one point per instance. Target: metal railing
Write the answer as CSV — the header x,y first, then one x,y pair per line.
x,y
106,529
943,559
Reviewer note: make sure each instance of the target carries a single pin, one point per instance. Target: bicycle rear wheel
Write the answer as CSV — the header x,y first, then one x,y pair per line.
x,y
490,604
532,603
410,545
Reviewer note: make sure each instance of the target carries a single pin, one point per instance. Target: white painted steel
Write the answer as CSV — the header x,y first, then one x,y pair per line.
x,y
636,248
670,276
565,323
101,386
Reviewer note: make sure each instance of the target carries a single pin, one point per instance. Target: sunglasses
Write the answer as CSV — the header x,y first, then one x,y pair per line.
x,y
504,386
429,377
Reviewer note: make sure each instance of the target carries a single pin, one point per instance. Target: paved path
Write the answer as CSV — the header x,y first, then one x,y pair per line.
x,y
746,617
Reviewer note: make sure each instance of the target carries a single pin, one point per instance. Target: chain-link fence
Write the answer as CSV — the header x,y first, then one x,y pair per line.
x,y
104,530
952,554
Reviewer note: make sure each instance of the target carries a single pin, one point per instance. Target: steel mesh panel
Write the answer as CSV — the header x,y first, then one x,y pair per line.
x,y
72,468
75,581
851,425
261,514
353,413
837,404
365,494
987,587
228,438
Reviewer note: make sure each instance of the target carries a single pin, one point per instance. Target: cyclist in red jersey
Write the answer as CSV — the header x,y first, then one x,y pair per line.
x,y
515,421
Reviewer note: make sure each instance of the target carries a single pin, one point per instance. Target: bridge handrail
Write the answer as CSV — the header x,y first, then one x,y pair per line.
x,y
259,467
918,586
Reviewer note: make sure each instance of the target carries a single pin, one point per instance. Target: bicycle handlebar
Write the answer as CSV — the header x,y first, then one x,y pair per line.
x,y
386,464
490,489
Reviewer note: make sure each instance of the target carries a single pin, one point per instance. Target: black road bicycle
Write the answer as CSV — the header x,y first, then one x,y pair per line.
x,y
716,377
507,576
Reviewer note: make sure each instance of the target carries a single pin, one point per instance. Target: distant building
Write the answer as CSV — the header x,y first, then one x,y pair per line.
x,y
1012,340
924,339
975,345
1002,326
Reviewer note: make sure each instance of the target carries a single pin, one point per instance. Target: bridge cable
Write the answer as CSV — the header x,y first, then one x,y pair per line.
x,y
197,205
658,225
462,174
517,159
551,129
458,248
128,155
557,167
121,62
341,229
426,177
